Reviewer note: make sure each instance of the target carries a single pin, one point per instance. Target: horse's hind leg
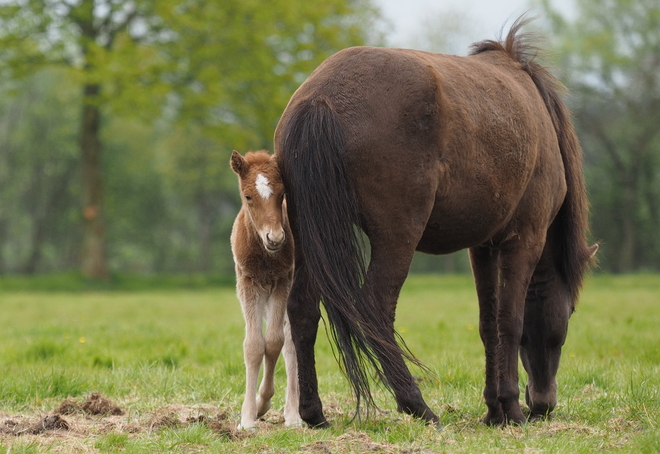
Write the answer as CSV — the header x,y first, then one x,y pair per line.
x,y
387,272
304,315
253,305
547,310
484,268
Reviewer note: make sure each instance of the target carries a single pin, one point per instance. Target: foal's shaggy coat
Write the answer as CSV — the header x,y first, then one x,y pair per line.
x,y
262,245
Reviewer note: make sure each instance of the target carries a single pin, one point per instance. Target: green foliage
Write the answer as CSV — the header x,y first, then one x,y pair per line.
x,y
38,170
181,84
609,58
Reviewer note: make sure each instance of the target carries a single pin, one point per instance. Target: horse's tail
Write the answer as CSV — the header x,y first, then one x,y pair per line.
x,y
324,213
571,252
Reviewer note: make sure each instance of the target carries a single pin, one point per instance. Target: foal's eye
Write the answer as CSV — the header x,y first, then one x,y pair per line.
x,y
248,198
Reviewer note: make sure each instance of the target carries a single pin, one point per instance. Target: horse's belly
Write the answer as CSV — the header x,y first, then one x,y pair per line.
x,y
450,230
439,240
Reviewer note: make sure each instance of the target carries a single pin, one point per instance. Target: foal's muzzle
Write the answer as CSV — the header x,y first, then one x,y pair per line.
x,y
274,241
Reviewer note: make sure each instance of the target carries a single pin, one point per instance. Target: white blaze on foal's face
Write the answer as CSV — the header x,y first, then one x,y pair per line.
x,y
267,215
263,187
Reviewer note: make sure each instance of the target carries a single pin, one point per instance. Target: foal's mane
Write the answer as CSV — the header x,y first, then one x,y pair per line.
x,y
257,157
263,162
573,215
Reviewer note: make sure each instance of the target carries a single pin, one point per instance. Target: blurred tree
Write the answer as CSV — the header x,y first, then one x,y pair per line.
x,y
101,42
610,55
217,75
38,165
238,62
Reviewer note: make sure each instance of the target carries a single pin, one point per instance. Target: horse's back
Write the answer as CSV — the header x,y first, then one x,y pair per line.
x,y
451,142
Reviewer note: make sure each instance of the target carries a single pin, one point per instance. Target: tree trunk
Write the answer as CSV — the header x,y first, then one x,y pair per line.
x,y
94,257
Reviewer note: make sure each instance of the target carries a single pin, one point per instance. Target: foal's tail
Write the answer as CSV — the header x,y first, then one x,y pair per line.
x,y
324,214
572,255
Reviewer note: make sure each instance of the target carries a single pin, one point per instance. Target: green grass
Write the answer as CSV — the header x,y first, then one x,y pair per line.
x,y
179,350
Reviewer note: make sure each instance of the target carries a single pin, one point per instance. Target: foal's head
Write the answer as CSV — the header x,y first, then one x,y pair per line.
x,y
262,193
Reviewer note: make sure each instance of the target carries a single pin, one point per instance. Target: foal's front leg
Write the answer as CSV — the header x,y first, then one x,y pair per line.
x,y
253,305
275,311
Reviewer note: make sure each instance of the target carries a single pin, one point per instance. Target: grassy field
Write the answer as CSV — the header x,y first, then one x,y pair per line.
x,y
166,368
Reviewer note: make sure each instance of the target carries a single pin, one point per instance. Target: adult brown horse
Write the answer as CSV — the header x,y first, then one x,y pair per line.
x,y
434,153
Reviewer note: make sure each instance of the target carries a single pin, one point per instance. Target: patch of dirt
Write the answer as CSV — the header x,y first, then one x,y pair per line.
x,y
174,416
21,426
49,422
95,404
351,441
170,420
96,415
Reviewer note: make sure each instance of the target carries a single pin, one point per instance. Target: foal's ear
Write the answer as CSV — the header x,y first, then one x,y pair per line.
x,y
238,163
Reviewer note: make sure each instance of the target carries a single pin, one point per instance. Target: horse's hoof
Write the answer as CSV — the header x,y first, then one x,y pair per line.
x,y
437,426
516,418
536,416
314,418
494,417
324,424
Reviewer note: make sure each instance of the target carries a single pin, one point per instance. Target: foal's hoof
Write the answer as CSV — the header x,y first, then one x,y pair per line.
x,y
294,424
293,420
263,407
247,426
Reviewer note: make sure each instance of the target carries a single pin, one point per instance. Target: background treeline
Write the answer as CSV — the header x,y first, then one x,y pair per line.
x,y
117,119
